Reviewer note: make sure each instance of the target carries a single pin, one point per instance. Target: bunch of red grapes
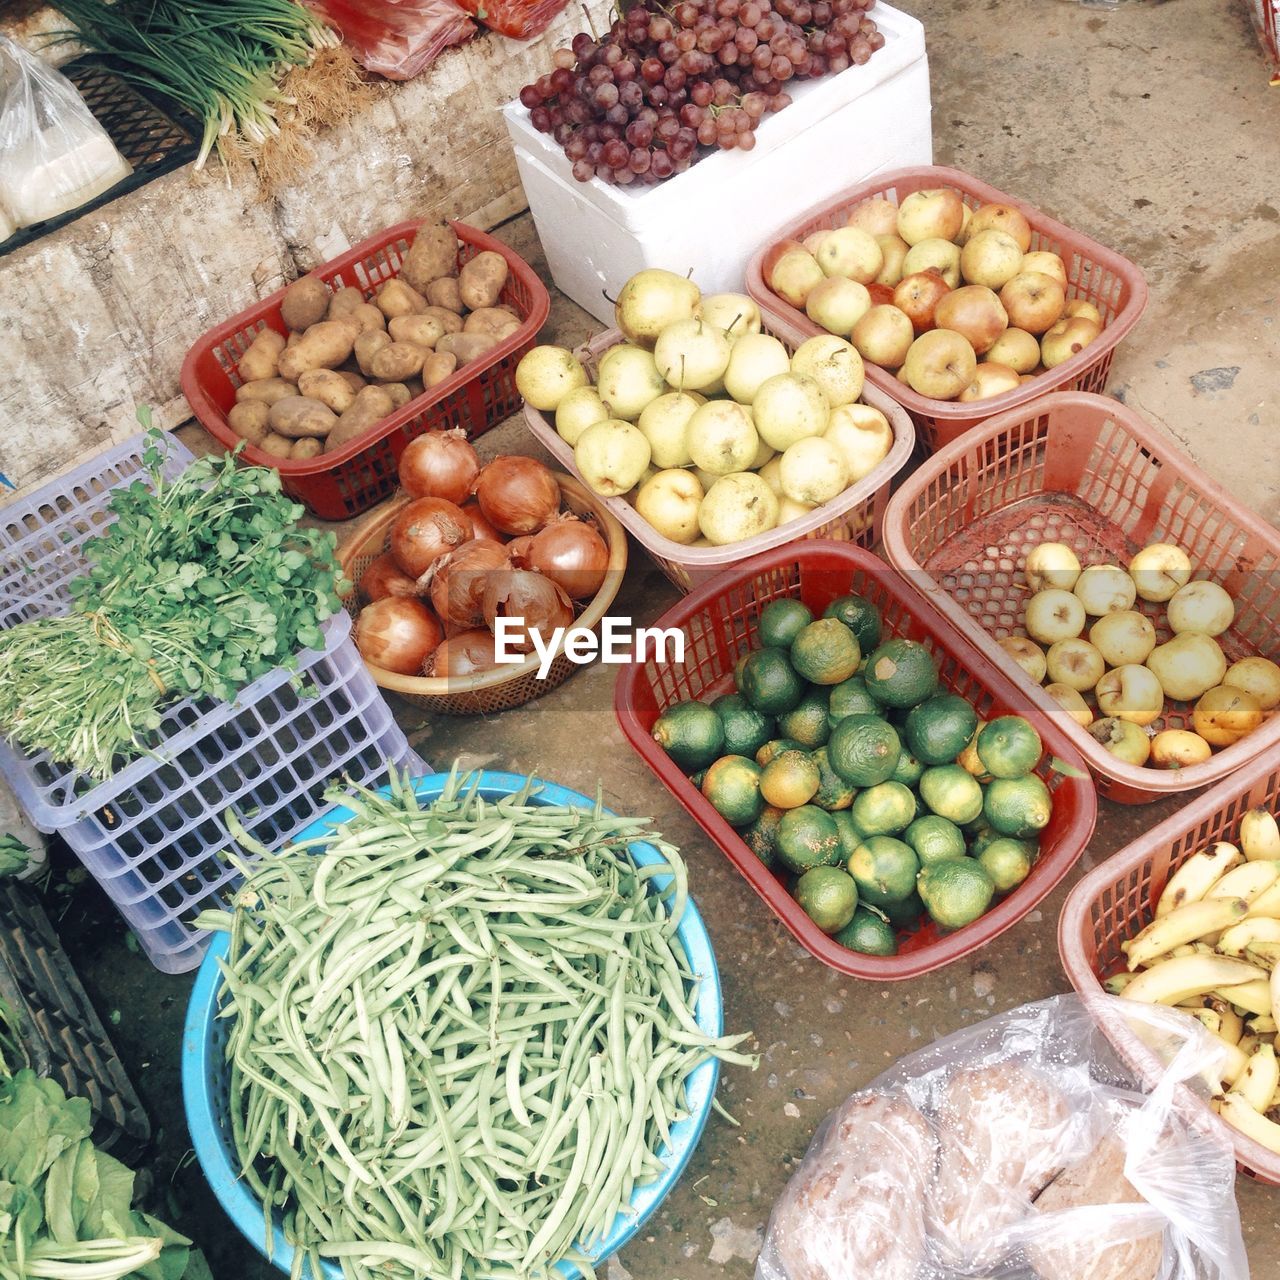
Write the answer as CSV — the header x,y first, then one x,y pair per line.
x,y
636,106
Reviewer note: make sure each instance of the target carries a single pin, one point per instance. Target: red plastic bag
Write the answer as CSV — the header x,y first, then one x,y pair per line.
x,y
396,38
519,19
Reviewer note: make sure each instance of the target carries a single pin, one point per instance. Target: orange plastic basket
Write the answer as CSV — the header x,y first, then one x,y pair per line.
x,y
1084,470
1118,898
350,480
1111,282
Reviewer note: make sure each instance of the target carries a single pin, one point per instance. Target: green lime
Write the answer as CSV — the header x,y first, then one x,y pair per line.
x,y
1007,862
864,750
768,682
808,837
761,837
939,728
1018,807
732,785
1009,747
737,669
901,673
934,838
847,830
746,730
908,770
833,791
807,722
978,835
860,616
955,891
829,897
690,733
781,621
790,780
884,810
850,698
869,933
907,913
825,652
775,747
885,869
951,792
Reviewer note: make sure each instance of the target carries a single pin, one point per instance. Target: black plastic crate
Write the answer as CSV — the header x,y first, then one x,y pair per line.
x,y
62,1033
154,139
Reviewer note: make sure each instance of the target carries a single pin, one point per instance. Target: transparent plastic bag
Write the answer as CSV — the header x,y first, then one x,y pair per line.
x,y
396,38
1021,1149
54,156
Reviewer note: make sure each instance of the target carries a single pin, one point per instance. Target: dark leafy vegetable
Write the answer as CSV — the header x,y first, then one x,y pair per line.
x,y
14,856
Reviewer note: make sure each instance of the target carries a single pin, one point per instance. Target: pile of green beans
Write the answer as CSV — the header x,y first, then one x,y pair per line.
x,y
459,1032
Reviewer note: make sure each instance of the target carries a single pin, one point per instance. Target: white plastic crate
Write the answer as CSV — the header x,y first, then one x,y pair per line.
x,y
838,131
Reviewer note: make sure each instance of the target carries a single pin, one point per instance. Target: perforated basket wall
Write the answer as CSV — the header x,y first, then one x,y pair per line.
x,y
1085,470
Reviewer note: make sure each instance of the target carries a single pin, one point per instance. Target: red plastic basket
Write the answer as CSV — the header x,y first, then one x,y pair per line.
x,y
1118,898
1084,470
720,623
854,516
1111,282
338,485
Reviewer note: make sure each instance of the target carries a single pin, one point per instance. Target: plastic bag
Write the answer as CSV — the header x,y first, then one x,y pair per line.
x,y
1020,1149
519,19
54,156
396,38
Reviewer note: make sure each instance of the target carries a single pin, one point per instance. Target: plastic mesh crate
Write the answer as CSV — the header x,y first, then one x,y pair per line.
x,y
60,1029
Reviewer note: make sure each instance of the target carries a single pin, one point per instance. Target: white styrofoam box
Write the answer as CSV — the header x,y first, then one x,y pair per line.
x,y
838,131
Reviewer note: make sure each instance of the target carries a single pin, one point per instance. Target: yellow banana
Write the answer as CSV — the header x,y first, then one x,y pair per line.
x,y
1184,926
1237,1112
1248,1044
1235,1064
1177,980
1263,1025
1252,997
1209,1019
1264,954
1259,836
1115,984
1250,930
1232,1022
1275,1100
1267,904
1197,876
1249,881
1260,1079
1275,995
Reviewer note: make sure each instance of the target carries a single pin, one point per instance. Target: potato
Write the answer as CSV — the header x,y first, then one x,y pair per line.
x,y
369,408
367,346
399,393
330,388
492,320
344,302
324,346
398,361
444,293
294,338
296,416
265,391
309,447
366,316
395,298
354,380
467,346
249,420
434,253
305,302
424,331
439,366
259,359
480,281
450,321
276,446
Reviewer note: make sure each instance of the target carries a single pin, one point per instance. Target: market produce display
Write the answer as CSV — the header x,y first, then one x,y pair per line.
x,y
707,424
347,362
1212,948
1129,677
843,766
666,86
201,585
458,1031
948,297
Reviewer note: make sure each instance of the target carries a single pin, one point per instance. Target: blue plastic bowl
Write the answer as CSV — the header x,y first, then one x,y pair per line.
x,y
204,1073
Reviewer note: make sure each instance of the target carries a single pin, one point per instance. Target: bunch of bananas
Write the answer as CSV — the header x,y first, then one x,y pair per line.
x,y
1213,950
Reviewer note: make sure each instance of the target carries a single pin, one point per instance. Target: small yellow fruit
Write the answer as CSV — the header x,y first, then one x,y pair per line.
x,y
1225,715
1178,748
1131,693
1160,569
1052,564
1027,654
1074,706
1105,588
1054,615
1201,606
1124,740
1075,663
1124,637
1188,665
1258,676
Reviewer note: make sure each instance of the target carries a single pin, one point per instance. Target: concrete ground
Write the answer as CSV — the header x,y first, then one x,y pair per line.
x,y
1150,127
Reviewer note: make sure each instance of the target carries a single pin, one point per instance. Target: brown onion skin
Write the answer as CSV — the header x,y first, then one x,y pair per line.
x,y
397,634
482,527
463,655
517,494
458,581
424,531
537,602
383,577
439,464
572,554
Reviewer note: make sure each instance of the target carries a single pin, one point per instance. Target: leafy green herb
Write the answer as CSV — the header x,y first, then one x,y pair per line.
x,y
14,856
13,1053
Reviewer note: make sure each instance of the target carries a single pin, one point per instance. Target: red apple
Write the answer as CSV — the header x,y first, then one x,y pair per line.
x,y
881,294
1002,217
883,336
975,312
918,296
1033,301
